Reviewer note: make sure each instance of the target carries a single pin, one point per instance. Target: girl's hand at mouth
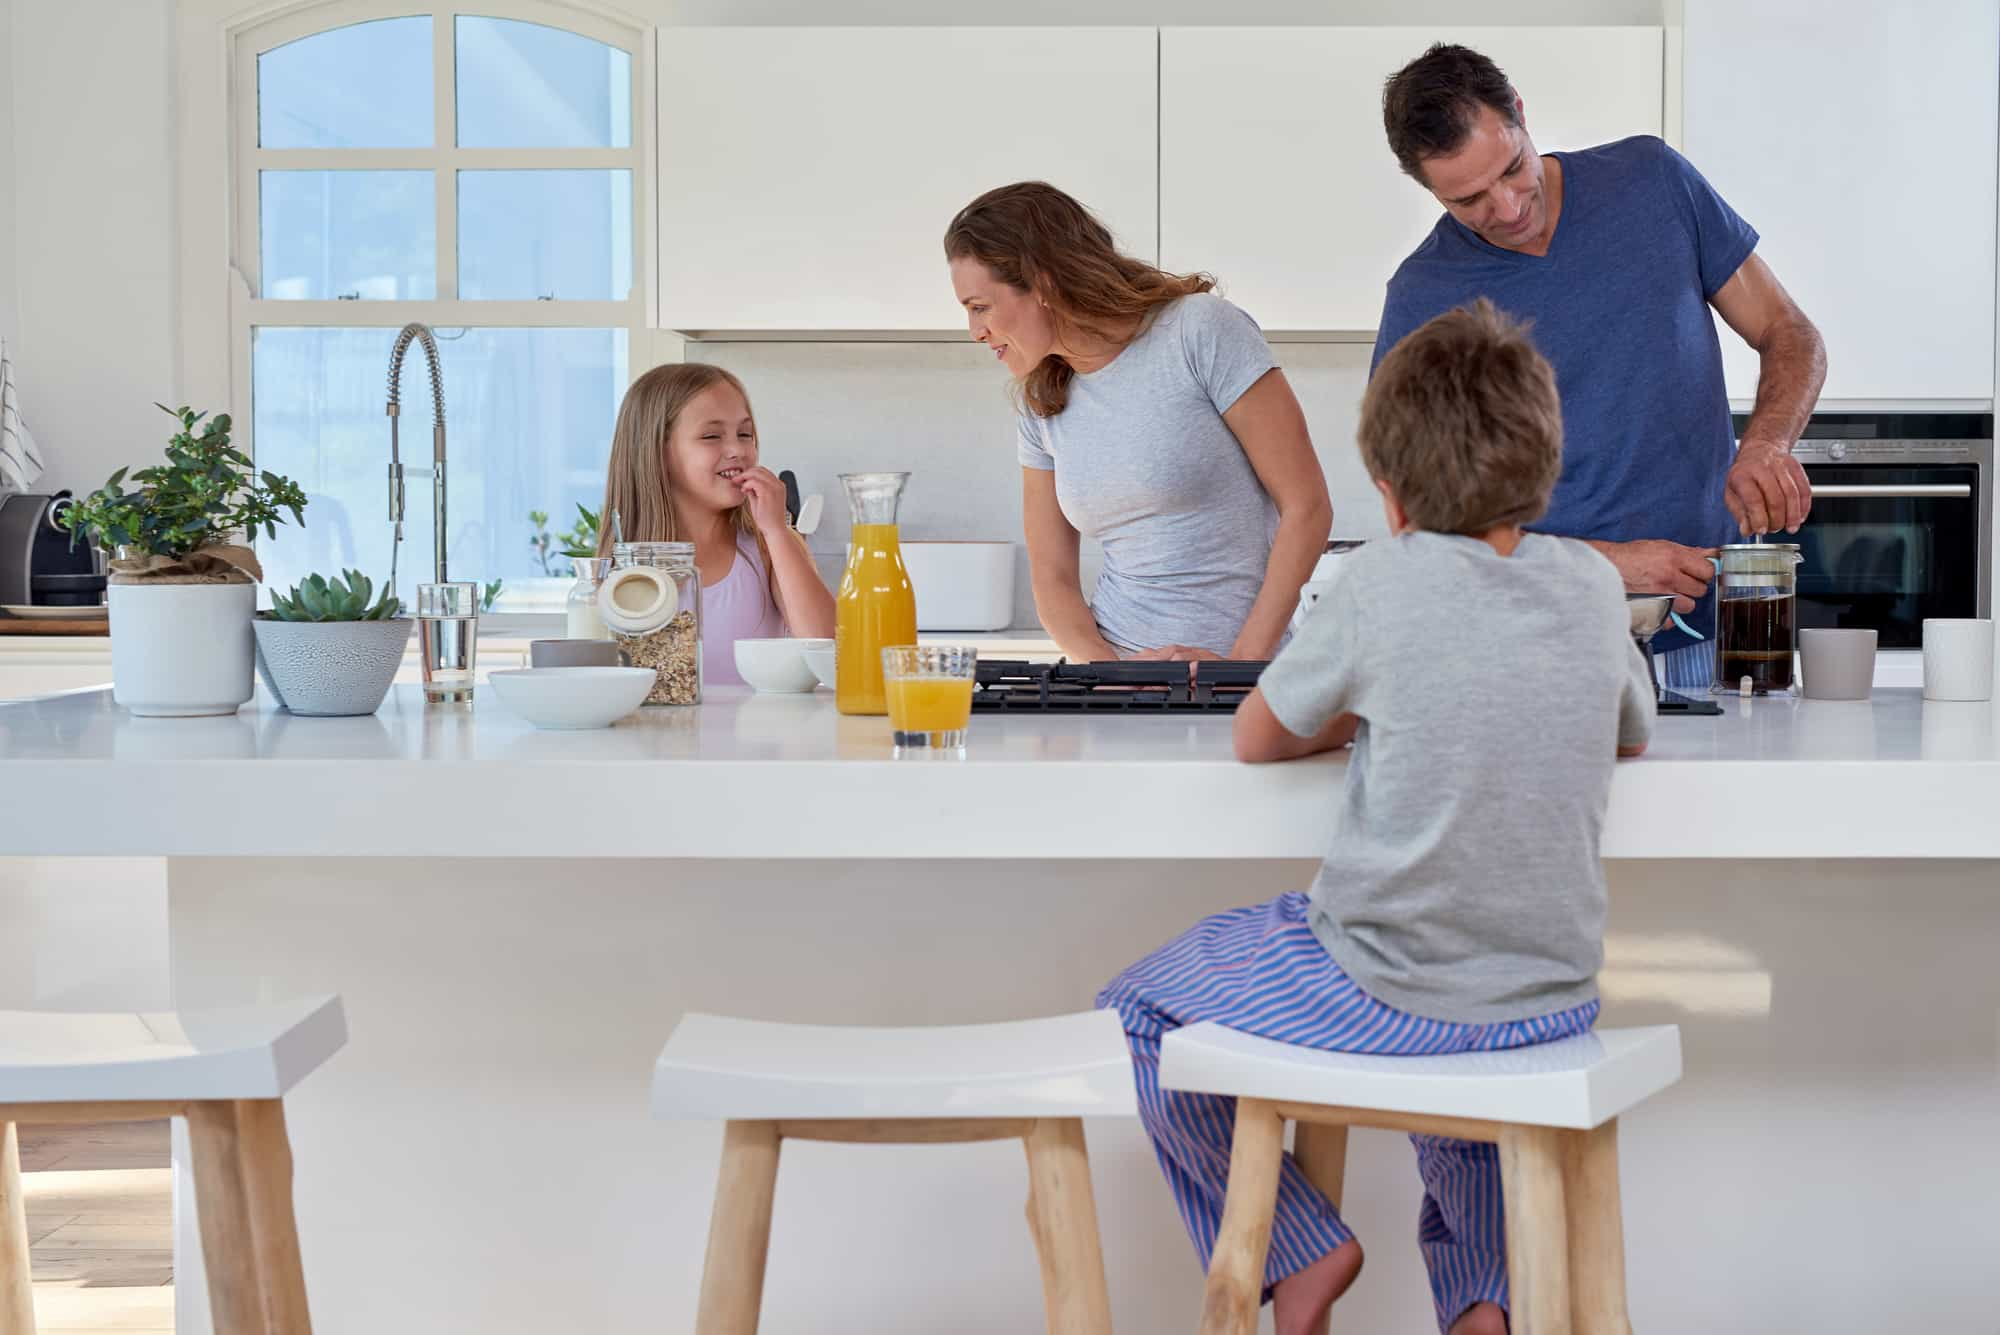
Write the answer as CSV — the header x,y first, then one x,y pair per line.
x,y
766,495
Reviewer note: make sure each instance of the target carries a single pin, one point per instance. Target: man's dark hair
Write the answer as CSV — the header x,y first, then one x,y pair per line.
x,y
1429,105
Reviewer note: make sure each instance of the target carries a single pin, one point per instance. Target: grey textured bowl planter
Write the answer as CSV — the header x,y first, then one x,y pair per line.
x,y
330,669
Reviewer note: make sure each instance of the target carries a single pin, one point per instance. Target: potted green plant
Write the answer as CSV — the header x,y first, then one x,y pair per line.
x,y
183,585
326,651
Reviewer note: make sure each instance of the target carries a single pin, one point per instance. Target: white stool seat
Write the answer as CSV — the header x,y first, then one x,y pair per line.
x,y
1062,1066
252,1052
1577,1083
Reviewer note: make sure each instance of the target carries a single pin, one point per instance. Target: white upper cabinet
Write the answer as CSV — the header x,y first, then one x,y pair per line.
x,y
1858,138
1276,175
807,174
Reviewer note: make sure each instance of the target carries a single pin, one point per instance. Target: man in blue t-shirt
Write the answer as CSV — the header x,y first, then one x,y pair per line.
x,y
1614,256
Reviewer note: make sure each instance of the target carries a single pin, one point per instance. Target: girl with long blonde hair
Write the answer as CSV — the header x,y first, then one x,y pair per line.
x,y
684,468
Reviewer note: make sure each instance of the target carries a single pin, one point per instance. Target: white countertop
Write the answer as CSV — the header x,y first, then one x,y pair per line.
x,y
787,776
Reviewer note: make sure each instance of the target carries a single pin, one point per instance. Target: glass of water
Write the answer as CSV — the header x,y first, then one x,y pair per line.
x,y
448,639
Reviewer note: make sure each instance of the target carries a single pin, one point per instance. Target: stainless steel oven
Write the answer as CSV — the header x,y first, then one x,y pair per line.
x,y
1902,521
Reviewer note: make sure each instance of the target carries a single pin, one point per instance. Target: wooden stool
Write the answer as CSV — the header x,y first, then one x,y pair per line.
x,y
1552,1109
227,1073
1031,1080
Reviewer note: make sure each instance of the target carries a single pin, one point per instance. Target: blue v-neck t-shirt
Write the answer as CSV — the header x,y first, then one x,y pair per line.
x,y
1619,306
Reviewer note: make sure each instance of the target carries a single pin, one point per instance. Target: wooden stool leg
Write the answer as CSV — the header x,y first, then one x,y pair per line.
x,y
739,1231
1320,1150
1065,1226
1596,1232
243,1197
17,1295
1236,1267
1531,1178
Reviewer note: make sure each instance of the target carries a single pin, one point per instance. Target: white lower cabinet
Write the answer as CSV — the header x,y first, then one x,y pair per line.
x,y
1276,174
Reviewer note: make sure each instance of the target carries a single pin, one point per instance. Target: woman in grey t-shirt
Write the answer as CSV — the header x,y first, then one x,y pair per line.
x,y
1155,421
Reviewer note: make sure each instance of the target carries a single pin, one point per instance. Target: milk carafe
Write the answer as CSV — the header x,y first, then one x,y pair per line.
x,y
875,608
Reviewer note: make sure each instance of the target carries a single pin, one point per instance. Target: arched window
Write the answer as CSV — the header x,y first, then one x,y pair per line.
x,y
481,172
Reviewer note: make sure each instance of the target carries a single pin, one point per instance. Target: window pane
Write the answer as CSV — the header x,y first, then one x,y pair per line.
x,y
524,235
523,85
528,415
367,85
369,236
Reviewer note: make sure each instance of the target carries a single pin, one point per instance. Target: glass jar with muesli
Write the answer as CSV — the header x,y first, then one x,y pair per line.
x,y
651,604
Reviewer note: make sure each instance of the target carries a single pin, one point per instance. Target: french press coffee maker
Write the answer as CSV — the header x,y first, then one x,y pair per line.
x,y
1757,618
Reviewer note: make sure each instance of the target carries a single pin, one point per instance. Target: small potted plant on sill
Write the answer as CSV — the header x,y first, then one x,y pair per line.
x,y
325,651
183,585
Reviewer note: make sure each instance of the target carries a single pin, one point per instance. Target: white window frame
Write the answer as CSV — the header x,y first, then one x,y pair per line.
x,y
205,126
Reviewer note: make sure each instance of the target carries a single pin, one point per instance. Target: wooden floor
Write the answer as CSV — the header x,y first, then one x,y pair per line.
x,y
100,1228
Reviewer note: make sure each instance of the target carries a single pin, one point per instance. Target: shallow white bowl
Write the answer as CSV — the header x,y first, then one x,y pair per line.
x,y
820,659
776,665
574,697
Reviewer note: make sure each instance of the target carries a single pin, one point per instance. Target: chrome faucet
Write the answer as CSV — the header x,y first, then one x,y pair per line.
x,y
421,334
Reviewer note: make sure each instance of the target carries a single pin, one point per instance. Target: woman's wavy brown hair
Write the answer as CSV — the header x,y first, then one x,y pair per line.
x,y
1037,239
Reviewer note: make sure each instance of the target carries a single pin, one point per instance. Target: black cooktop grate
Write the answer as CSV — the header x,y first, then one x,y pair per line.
x,y
1018,686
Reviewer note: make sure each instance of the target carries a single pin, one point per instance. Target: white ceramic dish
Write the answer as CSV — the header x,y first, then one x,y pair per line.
x,y
777,666
568,698
961,585
100,612
819,659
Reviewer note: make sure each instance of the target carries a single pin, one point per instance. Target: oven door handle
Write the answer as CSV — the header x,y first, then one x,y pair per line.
x,y
1898,490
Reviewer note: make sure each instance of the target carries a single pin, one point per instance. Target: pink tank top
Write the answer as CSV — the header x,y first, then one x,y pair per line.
x,y
739,606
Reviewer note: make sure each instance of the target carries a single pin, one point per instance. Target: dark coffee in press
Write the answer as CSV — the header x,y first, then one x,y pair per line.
x,y
1756,636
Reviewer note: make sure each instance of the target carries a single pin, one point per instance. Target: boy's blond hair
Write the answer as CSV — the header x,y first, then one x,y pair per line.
x,y
1462,421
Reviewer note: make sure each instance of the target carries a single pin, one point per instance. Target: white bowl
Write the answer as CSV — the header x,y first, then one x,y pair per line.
x,y
575,697
820,659
776,665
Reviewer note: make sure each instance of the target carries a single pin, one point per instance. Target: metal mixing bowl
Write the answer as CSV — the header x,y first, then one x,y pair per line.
x,y
1649,613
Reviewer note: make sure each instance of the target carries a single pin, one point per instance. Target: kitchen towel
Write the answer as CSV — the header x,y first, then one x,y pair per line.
x,y
20,461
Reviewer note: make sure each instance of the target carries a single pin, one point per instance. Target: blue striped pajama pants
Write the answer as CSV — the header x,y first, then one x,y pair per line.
x,y
1261,970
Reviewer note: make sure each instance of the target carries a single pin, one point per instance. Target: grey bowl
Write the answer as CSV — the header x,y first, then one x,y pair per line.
x,y
330,669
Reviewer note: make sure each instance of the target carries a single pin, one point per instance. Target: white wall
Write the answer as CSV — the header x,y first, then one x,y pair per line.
x,y
9,296
92,184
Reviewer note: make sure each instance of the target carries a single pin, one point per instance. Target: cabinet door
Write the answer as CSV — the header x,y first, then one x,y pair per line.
x,y
807,174
1859,140
1276,175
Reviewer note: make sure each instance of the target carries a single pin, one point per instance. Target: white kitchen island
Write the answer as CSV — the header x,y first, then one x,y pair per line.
x,y
516,919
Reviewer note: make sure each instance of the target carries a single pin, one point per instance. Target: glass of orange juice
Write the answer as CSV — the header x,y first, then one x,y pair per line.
x,y
929,692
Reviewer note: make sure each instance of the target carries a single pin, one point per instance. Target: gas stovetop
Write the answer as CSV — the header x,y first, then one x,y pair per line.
x,y
1015,686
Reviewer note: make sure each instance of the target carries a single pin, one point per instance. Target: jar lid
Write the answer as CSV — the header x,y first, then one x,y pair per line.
x,y
653,553
637,600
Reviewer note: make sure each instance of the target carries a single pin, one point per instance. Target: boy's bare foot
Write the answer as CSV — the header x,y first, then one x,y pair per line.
x,y
1481,1319
1300,1301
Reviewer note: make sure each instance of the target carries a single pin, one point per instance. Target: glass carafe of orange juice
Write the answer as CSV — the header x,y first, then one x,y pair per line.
x,y
875,608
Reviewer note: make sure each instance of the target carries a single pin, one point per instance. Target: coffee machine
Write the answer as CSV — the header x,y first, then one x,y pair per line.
x,y
39,565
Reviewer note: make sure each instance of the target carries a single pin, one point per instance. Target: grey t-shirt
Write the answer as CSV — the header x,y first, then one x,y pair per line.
x,y
1146,466
1463,881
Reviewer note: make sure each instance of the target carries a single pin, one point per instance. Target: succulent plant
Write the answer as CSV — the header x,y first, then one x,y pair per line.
x,y
317,598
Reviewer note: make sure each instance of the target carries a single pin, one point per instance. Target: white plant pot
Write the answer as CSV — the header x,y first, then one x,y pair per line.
x,y
182,650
